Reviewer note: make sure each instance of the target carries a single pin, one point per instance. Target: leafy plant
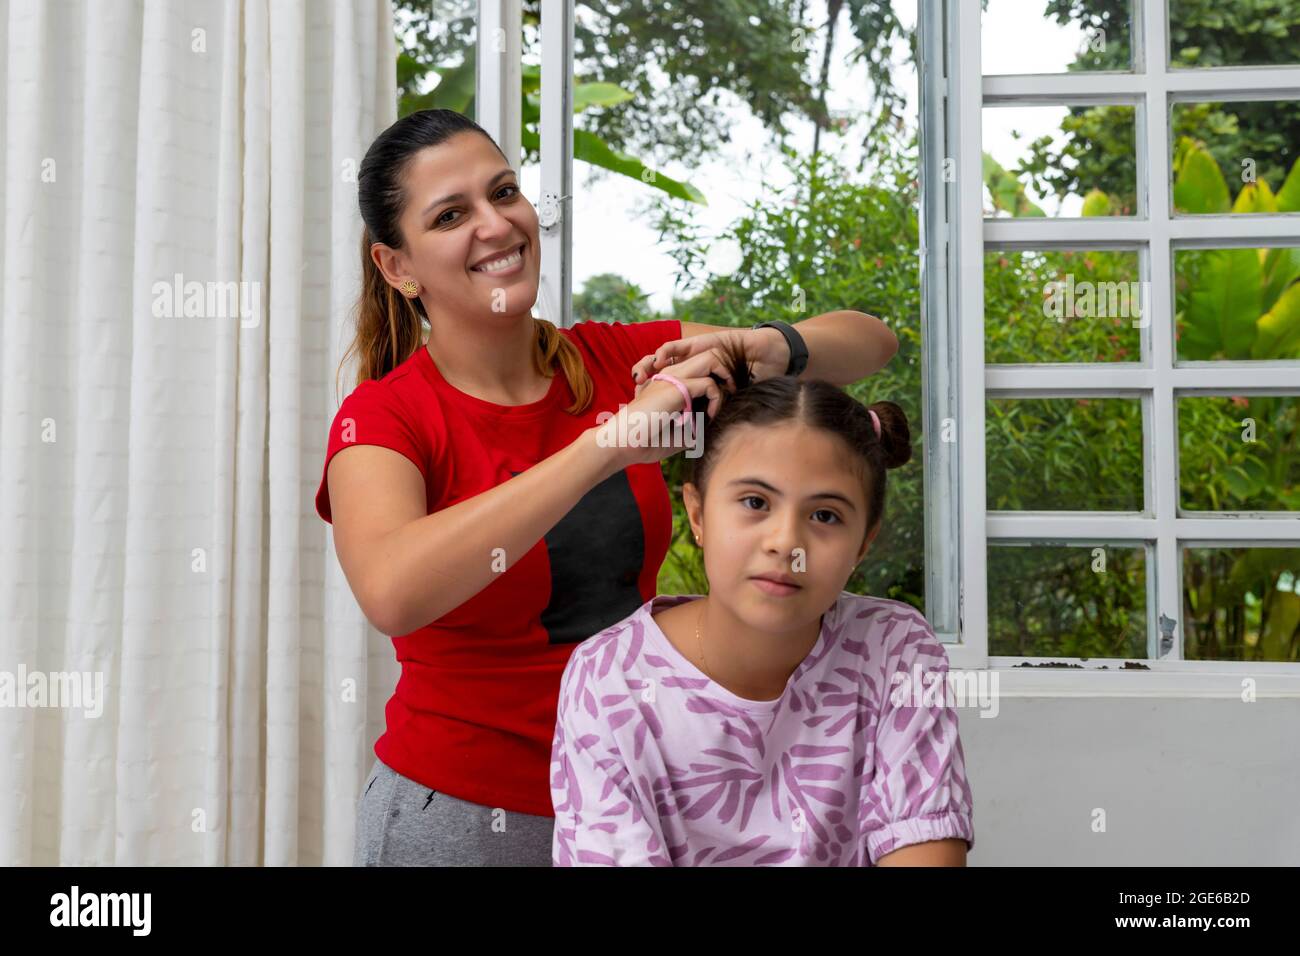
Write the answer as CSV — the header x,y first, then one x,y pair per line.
x,y
455,91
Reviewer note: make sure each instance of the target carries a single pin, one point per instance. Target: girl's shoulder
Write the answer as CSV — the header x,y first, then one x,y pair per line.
x,y
877,611
882,630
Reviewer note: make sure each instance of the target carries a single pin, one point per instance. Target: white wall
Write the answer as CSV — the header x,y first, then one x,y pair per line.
x,y
1184,782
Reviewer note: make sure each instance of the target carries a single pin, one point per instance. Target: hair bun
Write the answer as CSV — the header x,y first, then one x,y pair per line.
x,y
895,435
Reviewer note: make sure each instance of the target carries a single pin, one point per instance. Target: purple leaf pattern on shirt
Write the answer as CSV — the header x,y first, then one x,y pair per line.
x,y
654,764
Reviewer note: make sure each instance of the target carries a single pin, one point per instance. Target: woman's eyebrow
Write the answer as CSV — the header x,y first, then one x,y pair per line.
x,y
457,196
835,495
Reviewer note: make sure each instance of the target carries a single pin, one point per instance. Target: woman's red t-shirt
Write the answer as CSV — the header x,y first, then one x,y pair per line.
x,y
473,715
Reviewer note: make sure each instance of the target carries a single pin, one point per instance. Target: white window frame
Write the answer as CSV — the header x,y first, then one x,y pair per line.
x,y
954,274
954,236
499,111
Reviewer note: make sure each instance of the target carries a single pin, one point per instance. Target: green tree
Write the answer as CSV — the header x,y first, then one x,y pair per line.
x,y
608,297
685,64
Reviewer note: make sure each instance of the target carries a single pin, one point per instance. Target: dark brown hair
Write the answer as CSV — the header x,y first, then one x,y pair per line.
x,y
389,326
813,403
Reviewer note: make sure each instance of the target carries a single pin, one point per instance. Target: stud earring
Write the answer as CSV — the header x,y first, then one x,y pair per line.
x,y
410,288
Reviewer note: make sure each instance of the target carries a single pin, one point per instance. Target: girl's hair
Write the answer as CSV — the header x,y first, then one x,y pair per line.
x,y
389,325
812,403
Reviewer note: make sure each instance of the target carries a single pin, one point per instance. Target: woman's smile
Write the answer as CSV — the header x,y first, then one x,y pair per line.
x,y
509,264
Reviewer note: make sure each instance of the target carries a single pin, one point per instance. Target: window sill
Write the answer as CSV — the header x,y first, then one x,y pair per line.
x,y
1111,678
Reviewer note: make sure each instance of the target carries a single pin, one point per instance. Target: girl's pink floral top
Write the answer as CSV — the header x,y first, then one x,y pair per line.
x,y
655,764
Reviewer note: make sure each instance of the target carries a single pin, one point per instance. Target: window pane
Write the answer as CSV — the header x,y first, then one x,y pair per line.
x,y
1241,604
1215,33
1064,454
1059,161
1038,36
1239,453
1237,303
1077,600
1062,306
1236,157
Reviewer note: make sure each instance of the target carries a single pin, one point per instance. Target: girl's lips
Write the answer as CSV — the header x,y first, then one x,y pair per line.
x,y
774,588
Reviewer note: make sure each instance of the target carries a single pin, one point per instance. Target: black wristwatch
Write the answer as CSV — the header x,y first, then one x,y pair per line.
x,y
798,349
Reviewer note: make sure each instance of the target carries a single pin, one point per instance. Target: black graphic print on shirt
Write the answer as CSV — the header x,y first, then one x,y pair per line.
x,y
596,553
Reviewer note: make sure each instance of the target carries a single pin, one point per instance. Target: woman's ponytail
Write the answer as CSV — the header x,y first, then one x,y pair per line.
x,y
553,347
389,326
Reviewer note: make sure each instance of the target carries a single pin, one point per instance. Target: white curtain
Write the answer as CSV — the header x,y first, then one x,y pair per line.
x,y
157,466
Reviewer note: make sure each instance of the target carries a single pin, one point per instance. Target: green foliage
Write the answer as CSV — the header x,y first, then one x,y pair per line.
x,y
1067,601
1006,191
1234,303
685,65
610,298
455,91
1202,33
1053,454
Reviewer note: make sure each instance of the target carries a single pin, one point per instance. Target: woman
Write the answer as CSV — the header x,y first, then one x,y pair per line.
x,y
477,517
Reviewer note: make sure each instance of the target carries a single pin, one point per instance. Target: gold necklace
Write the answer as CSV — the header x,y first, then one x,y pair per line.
x,y
699,640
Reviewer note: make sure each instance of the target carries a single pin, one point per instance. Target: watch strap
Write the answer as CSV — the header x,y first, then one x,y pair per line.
x,y
798,348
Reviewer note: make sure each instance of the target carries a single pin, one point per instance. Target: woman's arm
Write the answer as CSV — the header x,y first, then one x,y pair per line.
x,y
406,567
843,347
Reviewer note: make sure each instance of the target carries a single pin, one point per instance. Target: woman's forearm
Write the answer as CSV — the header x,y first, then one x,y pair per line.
x,y
436,563
845,347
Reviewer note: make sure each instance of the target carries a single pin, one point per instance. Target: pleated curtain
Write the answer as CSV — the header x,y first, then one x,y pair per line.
x,y
161,437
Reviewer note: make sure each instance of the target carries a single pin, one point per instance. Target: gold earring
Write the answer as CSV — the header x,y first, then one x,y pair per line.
x,y
410,288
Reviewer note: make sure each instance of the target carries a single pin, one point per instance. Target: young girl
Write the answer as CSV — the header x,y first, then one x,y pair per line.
x,y
760,725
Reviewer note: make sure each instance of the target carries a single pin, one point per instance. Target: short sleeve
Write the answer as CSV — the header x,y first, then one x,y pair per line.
x,y
919,791
372,415
599,819
639,339
622,344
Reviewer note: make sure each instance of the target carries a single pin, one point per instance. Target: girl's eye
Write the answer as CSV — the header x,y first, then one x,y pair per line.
x,y
511,186
832,517
442,220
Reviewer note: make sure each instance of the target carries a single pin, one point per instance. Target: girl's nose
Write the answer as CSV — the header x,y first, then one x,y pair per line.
x,y
783,536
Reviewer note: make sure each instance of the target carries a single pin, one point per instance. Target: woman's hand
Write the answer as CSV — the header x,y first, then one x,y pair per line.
x,y
655,401
765,350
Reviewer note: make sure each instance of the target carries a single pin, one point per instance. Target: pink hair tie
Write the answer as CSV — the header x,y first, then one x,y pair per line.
x,y
875,420
689,423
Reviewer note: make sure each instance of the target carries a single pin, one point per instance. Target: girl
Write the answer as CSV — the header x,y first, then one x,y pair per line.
x,y
764,724
476,518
